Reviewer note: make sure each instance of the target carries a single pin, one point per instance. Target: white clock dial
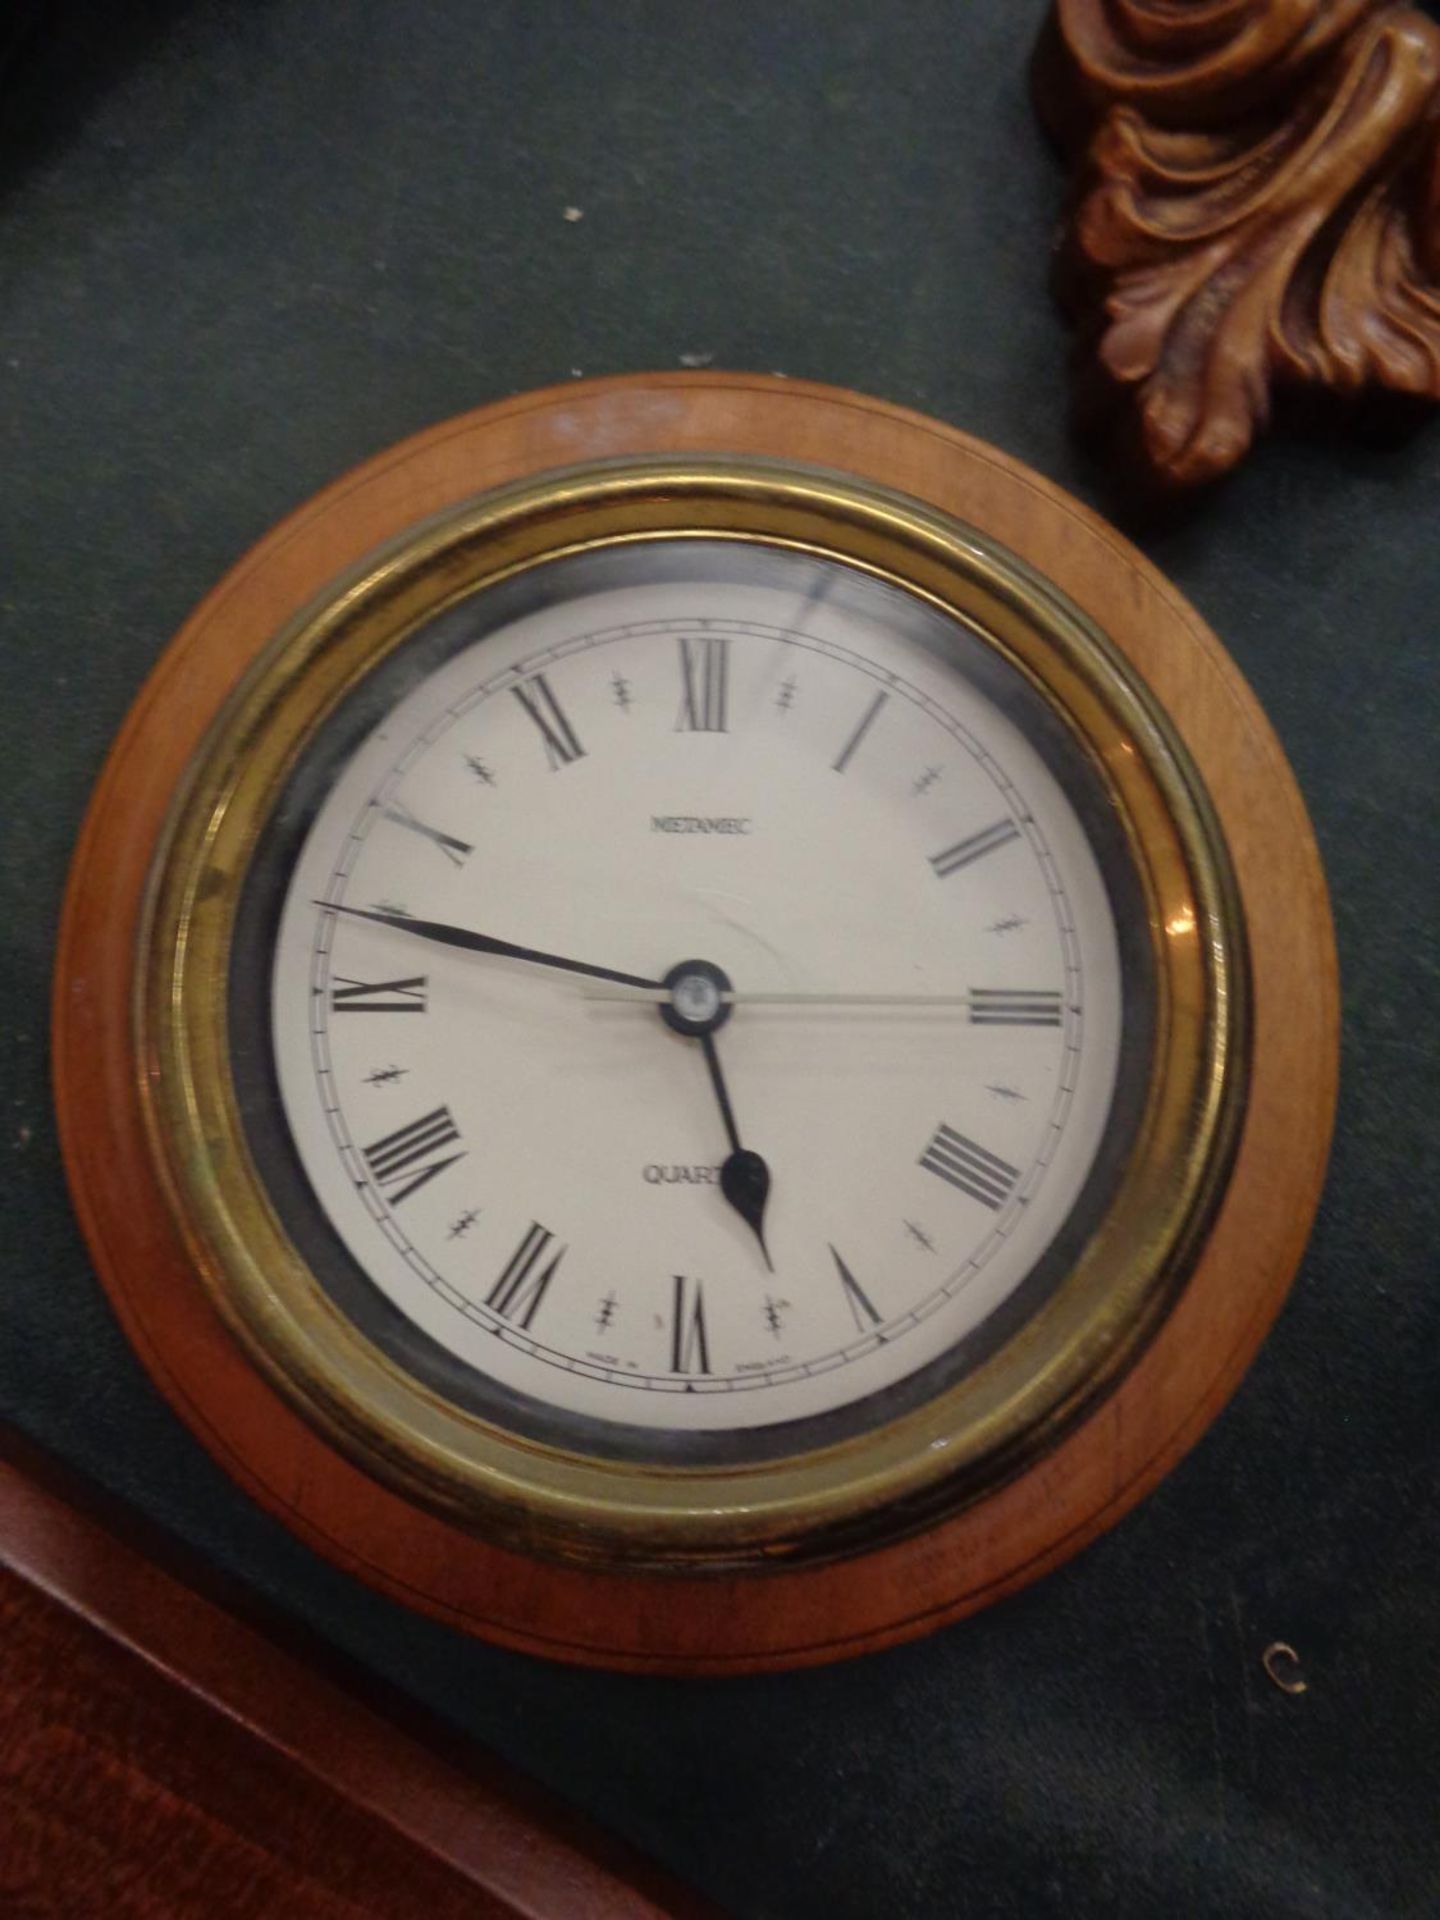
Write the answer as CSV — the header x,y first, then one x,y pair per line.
x,y
866,828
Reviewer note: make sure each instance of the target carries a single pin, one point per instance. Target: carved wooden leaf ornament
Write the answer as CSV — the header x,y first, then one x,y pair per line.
x,y
1257,205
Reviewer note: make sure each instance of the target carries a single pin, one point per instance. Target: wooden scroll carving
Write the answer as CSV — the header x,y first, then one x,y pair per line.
x,y
1257,207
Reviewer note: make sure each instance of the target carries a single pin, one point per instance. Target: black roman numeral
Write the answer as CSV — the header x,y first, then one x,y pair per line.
x,y
689,1344
867,720
975,1170
454,850
862,1308
561,744
378,996
979,844
1013,1007
705,674
517,1294
395,1162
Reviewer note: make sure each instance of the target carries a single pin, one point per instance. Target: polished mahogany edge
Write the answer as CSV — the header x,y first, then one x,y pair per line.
x,y
786,1618
497,1832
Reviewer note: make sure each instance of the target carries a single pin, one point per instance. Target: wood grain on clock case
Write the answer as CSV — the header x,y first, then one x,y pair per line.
x,y
789,1617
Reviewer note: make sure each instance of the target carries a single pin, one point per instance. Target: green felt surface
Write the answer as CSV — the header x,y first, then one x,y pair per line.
x,y
242,248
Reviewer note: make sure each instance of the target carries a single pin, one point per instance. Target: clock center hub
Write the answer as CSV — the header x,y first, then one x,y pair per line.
x,y
697,1003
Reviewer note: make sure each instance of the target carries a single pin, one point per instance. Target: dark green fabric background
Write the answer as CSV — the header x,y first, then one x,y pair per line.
x,y
243,246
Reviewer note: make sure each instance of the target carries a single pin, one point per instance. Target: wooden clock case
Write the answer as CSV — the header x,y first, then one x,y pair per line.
x,y
714,1623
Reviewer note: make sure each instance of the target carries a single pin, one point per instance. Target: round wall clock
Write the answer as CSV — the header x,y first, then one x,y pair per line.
x,y
696,1024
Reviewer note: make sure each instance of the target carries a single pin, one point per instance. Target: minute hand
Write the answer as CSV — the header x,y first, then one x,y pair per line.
x,y
470,942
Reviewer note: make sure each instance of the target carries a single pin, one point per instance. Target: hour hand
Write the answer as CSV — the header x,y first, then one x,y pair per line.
x,y
744,1178
471,942
696,1002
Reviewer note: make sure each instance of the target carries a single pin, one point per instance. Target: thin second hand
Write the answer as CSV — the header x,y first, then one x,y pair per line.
x,y
644,996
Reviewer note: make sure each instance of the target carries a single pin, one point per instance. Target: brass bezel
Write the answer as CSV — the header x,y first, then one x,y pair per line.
x,y
862,1491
